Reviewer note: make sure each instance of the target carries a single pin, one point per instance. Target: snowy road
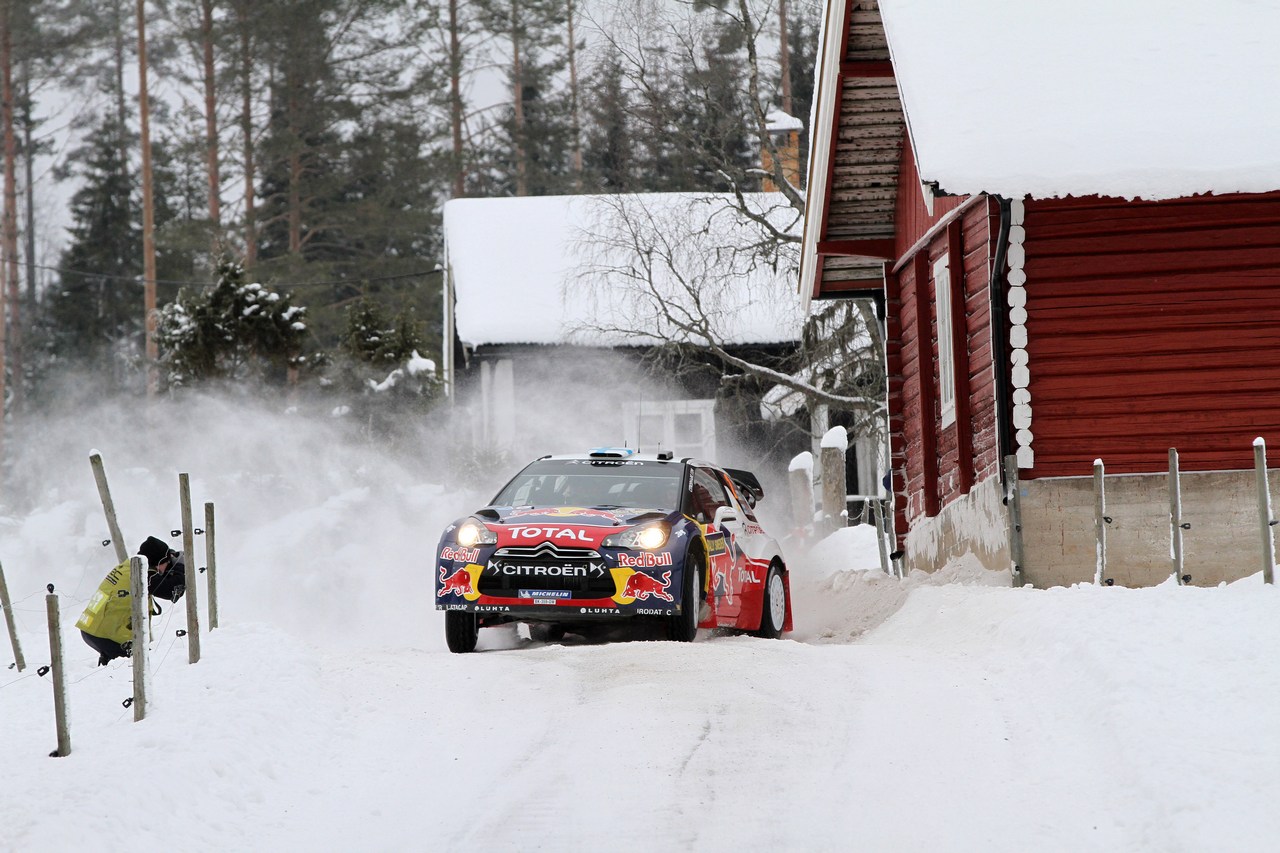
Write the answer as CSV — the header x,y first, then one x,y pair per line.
x,y
973,719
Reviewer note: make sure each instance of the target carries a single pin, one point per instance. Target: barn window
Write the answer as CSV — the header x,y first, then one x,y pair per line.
x,y
946,353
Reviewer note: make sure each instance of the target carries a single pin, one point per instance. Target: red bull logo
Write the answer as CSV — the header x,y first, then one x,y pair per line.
x,y
640,586
458,583
644,560
466,555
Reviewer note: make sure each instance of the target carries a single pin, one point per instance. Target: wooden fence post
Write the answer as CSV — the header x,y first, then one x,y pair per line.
x,y
7,606
138,612
1264,511
108,507
188,546
1175,515
211,562
835,503
800,478
1013,500
1100,519
59,679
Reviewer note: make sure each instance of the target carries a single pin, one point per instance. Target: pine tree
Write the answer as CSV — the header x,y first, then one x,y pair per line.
x,y
237,330
97,307
609,158
533,139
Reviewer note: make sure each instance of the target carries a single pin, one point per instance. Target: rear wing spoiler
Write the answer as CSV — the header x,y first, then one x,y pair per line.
x,y
746,483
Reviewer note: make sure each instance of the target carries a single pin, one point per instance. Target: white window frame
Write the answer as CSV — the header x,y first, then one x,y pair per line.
x,y
946,345
668,409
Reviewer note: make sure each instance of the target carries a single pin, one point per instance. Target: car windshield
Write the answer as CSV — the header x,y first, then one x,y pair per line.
x,y
595,482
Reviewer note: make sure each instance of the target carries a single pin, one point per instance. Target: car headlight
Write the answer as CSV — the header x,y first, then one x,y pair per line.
x,y
472,532
647,538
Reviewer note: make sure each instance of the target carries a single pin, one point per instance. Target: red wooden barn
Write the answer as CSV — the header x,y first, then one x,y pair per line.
x,y
1074,218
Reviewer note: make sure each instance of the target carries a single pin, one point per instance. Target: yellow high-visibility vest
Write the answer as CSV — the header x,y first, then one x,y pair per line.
x,y
109,614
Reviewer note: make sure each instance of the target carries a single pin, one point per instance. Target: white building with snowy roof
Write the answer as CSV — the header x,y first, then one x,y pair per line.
x,y
558,305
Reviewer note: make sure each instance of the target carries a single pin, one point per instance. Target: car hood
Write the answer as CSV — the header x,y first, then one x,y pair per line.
x,y
611,517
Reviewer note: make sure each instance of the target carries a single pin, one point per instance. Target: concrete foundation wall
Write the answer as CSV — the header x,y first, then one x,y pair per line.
x,y
976,524
1223,543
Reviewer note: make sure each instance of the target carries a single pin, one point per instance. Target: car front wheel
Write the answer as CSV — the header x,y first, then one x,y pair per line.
x,y
461,631
683,626
773,612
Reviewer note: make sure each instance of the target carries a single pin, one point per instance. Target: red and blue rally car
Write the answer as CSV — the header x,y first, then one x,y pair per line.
x,y
573,541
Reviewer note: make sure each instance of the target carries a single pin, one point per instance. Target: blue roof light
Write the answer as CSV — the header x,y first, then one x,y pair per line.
x,y
612,452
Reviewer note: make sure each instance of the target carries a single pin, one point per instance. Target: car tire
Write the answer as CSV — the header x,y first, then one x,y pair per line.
x,y
461,631
773,607
683,626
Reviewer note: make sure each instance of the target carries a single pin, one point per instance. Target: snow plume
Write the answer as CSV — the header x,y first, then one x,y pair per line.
x,y
840,592
318,530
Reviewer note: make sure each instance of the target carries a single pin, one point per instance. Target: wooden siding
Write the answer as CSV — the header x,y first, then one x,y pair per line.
x,y
934,465
866,144
1152,325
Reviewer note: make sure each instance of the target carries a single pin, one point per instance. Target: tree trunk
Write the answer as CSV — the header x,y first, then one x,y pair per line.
x,y
148,211
455,101
122,112
784,56
28,191
295,172
211,121
517,95
574,120
10,204
246,130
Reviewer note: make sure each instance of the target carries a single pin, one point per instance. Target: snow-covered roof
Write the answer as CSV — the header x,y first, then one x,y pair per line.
x,y
1136,98
776,121
554,269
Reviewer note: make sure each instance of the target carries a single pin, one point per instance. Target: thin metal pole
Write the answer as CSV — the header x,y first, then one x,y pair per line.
x,y
1100,518
1175,515
1264,511
108,507
188,546
138,611
7,606
59,679
1014,502
210,555
877,506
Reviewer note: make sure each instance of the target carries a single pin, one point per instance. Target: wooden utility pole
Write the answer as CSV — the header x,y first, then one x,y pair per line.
x,y
211,119
10,228
148,210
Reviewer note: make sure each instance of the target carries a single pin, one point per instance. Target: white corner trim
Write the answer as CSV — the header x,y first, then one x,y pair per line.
x,y
1018,357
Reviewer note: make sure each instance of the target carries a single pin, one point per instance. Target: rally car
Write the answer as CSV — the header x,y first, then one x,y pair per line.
x,y
612,535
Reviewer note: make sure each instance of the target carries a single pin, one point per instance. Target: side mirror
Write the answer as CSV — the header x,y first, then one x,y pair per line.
x,y
725,513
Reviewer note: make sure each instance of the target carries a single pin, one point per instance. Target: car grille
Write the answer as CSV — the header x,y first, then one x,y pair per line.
x,y
507,574
545,551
